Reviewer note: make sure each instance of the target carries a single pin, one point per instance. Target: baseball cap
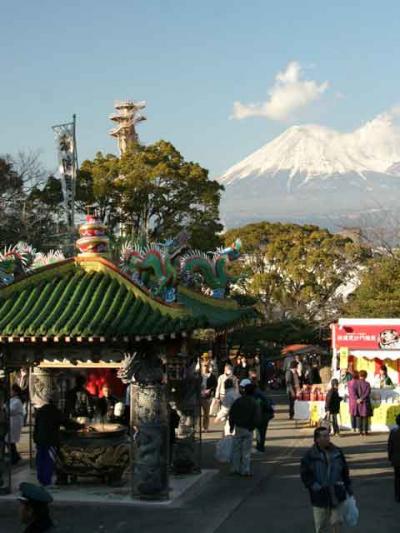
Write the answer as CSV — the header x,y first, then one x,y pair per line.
x,y
245,383
33,493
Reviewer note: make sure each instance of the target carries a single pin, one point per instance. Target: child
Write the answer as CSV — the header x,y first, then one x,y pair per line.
x,y
332,405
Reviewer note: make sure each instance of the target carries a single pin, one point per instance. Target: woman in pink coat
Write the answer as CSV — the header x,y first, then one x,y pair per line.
x,y
352,387
364,402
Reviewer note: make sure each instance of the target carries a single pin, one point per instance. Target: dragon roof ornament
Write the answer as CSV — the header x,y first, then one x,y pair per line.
x,y
157,267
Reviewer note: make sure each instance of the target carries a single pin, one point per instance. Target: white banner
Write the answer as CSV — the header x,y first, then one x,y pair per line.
x,y
65,138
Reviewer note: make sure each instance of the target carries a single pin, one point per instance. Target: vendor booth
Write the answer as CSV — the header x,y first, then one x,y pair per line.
x,y
369,344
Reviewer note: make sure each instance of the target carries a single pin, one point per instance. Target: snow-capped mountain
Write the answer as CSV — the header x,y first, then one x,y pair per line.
x,y
312,171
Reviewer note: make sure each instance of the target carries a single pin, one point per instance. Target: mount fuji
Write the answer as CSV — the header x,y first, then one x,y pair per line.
x,y
314,174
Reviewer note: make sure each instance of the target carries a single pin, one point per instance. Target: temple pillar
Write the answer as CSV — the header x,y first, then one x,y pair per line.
x,y
186,458
42,386
150,419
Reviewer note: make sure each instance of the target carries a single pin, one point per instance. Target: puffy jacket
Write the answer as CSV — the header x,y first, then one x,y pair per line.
x,y
245,413
327,482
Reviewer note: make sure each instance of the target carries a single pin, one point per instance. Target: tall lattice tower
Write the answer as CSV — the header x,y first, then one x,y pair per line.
x,y
127,116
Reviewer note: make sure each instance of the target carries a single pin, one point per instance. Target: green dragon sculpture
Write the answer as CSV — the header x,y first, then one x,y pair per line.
x,y
21,258
211,269
159,267
150,267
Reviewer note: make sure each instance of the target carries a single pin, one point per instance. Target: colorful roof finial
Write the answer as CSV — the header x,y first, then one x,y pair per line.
x,y
93,237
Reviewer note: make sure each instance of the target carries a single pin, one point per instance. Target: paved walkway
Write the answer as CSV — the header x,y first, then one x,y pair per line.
x,y
273,500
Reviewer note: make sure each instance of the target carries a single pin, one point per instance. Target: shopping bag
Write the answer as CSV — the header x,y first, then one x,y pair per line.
x,y
324,422
223,451
350,511
214,407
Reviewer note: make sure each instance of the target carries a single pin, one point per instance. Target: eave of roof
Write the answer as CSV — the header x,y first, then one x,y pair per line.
x,y
88,298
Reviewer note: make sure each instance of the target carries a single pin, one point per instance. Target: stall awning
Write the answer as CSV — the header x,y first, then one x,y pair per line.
x,y
300,349
393,355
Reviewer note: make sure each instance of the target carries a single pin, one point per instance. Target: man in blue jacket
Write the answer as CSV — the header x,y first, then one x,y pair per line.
x,y
325,474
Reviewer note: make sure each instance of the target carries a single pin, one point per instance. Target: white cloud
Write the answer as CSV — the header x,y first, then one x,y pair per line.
x,y
288,94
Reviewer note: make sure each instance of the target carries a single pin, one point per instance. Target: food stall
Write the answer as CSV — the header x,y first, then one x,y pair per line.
x,y
369,344
310,403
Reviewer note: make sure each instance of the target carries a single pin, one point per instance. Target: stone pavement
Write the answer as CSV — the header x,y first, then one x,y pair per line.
x,y
273,499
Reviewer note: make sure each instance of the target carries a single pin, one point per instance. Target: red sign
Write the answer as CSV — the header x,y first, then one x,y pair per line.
x,y
366,337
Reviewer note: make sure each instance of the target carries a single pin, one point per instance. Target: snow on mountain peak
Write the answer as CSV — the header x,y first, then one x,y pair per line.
x,y
312,150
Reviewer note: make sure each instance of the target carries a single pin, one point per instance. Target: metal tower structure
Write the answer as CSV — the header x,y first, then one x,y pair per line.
x,y
127,116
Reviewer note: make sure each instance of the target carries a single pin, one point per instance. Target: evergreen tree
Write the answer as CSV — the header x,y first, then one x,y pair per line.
x,y
296,271
153,191
378,295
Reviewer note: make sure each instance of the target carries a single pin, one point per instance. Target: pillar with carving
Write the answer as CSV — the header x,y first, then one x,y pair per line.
x,y
42,386
151,442
150,426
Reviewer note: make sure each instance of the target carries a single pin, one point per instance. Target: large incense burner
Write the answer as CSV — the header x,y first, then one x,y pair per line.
x,y
98,450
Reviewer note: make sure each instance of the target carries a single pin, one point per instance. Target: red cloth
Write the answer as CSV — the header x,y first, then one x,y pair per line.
x,y
378,365
98,377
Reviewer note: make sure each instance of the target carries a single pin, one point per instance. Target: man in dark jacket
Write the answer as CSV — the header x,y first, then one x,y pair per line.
x,y
34,510
292,386
332,405
46,436
394,456
325,474
266,412
207,391
244,417
79,402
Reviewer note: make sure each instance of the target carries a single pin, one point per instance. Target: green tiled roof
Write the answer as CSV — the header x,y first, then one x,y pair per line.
x,y
219,313
92,298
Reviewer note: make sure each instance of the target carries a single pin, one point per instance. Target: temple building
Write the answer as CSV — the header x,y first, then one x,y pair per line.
x,y
122,322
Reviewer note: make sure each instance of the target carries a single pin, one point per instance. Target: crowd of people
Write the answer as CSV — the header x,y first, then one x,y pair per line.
x,y
236,398
358,391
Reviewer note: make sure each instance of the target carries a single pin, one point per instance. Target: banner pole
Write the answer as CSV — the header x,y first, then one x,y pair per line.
x,y
74,172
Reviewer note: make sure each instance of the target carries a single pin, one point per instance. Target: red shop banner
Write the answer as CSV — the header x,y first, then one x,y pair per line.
x,y
366,337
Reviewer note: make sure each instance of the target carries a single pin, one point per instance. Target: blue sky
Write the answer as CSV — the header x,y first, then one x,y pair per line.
x,y
191,61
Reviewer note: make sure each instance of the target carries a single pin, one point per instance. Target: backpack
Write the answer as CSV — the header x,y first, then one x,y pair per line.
x,y
266,406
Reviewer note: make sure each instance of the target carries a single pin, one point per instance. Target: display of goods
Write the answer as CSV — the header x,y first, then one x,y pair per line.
x,y
313,396
306,395
299,395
